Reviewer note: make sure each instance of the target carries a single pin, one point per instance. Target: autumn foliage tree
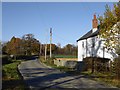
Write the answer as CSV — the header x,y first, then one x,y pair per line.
x,y
30,45
110,32
13,46
110,27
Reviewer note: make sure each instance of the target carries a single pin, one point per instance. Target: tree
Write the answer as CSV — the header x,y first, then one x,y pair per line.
x,y
110,27
0,47
110,32
30,45
75,50
70,49
13,46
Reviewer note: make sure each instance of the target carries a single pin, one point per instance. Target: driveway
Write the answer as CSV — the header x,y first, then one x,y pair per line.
x,y
40,76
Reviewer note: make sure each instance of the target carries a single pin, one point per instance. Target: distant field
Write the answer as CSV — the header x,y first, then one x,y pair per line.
x,y
65,56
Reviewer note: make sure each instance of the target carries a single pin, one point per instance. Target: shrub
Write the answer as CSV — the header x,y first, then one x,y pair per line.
x,y
23,57
115,67
5,59
50,60
97,63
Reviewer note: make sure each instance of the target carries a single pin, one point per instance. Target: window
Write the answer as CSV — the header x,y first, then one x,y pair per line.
x,y
83,44
93,42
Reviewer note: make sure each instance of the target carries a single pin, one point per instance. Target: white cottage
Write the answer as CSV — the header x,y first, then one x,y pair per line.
x,y
91,45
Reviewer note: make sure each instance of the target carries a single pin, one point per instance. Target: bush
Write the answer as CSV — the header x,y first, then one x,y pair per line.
x,y
5,59
42,59
115,67
50,60
23,57
99,64
88,63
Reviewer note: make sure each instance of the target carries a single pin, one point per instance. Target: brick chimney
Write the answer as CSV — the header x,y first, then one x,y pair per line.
x,y
94,24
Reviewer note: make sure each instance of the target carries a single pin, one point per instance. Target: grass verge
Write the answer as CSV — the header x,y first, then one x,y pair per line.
x,y
11,78
105,77
65,56
50,62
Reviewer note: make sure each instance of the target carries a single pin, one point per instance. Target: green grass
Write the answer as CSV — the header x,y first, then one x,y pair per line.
x,y
86,72
49,63
61,68
11,78
11,70
65,56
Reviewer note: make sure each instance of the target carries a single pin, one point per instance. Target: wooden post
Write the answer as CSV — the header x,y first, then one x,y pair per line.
x,y
45,51
40,50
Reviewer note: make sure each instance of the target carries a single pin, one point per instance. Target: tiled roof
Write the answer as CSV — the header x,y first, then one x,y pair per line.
x,y
88,35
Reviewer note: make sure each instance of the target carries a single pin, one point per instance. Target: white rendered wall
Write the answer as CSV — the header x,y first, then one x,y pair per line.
x,y
80,51
89,45
97,51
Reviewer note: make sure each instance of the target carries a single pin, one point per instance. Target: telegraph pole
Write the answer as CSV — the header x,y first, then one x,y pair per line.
x,y
50,42
45,51
46,48
40,50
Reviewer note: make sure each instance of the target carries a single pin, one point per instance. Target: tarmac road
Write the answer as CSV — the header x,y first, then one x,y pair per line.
x,y
38,76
